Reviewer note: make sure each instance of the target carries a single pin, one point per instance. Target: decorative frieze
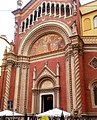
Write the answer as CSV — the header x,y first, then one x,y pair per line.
x,y
89,39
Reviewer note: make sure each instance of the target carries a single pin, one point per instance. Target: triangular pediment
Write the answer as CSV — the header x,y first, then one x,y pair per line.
x,y
46,71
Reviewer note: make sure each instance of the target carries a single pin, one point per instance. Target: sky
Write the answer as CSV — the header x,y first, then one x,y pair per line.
x,y
7,20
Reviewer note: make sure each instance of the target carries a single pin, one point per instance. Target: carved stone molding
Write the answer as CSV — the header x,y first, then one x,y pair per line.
x,y
89,39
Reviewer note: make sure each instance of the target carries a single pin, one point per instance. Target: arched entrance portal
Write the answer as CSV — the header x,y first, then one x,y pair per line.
x,y
45,91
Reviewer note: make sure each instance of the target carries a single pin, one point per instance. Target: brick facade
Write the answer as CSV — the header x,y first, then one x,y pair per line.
x,y
48,57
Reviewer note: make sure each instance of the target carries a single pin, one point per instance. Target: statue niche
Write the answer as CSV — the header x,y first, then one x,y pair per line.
x,y
47,43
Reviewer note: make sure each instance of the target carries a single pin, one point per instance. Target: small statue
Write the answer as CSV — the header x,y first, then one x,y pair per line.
x,y
15,27
12,46
73,28
19,3
74,7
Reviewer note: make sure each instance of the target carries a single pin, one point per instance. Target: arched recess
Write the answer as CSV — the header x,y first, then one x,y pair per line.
x,y
87,24
37,31
93,92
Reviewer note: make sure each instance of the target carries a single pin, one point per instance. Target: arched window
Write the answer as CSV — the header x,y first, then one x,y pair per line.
x,y
52,8
95,93
39,11
23,26
93,88
35,15
48,8
27,23
95,22
67,11
62,10
43,8
57,9
87,24
31,19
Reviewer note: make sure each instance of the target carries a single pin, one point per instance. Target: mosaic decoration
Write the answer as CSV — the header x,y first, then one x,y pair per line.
x,y
48,43
93,63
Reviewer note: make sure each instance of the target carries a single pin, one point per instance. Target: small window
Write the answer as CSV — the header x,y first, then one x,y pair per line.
x,y
43,8
31,19
95,93
52,8
87,24
95,22
48,8
67,11
35,15
39,11
93,88
27,22
57,9
62,10
23,26
9,104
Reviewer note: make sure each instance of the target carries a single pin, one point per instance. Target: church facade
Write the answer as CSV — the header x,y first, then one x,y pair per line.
x,y
50,64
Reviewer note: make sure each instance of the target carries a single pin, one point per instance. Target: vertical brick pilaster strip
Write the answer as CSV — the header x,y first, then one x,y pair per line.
x,y
7,87
77,81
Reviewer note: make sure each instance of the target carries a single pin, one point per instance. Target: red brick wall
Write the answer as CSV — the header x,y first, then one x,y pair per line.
x,y
90,74
20,17
52,65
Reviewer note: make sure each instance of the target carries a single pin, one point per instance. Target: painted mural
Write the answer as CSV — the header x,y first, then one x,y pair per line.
x,y
48,43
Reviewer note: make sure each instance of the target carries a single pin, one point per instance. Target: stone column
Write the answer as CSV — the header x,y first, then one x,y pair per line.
x,y
34,91
33,101
18,82
23,88
50,9
8,76
54,9
65,11
77,81
69,82
17,88
56,97
45,8
59,10
24,25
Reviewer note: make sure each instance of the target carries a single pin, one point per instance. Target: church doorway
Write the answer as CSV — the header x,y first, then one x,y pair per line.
x,y
46,102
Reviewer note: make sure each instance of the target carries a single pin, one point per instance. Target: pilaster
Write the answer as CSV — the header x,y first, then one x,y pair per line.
x,y
7,88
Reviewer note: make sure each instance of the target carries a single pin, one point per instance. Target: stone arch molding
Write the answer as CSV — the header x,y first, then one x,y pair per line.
x,y
46,75
26,42
91,83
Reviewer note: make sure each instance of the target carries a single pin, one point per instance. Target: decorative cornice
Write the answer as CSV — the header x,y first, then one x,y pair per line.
x,y
89,39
